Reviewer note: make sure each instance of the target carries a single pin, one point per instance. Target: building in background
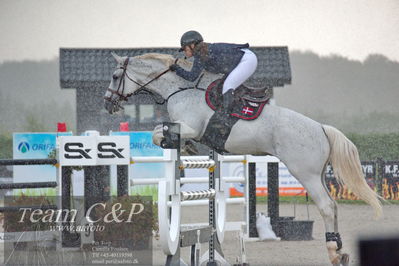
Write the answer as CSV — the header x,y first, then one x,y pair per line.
x,y
89,71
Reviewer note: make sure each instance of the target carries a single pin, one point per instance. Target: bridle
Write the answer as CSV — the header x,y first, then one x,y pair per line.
x,y
141,90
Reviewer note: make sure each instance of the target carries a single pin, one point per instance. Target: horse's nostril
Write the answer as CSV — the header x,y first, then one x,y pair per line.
x,y
108,106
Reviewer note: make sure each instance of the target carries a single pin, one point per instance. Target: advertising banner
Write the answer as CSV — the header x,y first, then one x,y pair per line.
x,y
390,180
35,146
94,150
338,191
288,185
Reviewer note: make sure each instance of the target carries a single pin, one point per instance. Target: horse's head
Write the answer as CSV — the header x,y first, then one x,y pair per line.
x,y
132,75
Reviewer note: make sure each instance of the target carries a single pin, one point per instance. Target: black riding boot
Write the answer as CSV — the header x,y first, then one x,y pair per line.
x,y
228,99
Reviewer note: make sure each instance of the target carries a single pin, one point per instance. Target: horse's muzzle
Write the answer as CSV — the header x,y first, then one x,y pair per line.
x,y
109,106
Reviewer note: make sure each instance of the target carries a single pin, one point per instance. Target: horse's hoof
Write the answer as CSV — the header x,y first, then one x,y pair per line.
x,y
341,260
336,261
345,259
189,148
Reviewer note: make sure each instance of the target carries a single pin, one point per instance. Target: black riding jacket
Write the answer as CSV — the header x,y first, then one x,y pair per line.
x,y
221,58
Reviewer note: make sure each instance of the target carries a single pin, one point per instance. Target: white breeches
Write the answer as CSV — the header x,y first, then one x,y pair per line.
x,y
242,72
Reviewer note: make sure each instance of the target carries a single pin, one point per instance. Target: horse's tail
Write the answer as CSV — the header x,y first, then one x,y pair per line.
x,y
345,161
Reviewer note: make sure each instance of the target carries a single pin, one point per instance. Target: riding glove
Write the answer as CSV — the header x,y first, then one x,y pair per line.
x,y
173,67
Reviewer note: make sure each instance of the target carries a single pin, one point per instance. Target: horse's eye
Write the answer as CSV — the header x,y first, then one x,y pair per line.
x,y
115,77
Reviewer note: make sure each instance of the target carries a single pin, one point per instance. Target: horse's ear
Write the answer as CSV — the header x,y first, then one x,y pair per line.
x,y
117,57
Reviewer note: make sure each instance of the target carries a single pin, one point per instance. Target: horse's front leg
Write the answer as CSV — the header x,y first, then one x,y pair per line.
x,y
186,132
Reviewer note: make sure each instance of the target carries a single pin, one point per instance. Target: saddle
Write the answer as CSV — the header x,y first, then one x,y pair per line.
x,y
248,102
248,105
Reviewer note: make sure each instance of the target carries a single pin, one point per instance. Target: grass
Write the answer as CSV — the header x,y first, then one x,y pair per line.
x,y
285,199
51,192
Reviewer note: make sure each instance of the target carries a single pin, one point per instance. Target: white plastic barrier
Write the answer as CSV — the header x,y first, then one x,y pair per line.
x,y
204,162
169,228
169,222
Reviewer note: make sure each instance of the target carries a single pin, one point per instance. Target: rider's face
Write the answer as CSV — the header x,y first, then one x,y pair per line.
x,y
188,50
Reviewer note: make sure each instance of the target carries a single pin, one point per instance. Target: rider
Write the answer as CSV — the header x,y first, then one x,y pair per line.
x,y
234,60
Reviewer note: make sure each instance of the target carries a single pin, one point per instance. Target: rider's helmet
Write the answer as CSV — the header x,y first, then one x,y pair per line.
x,y
190,37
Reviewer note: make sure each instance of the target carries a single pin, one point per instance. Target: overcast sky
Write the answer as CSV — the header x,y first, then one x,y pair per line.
x,y
36,29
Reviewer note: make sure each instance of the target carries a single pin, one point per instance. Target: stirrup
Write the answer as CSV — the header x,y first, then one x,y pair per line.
x,y
264,96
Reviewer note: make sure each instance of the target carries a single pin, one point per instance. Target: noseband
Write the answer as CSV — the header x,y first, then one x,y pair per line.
x,y
121,87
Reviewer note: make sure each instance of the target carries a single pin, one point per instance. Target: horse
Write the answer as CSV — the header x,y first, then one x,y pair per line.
x,y
302,144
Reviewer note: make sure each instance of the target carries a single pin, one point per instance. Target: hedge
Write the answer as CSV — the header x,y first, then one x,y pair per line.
x,y
376,145
370,146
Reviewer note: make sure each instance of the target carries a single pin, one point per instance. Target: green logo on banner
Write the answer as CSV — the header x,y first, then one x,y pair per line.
x,y
23,147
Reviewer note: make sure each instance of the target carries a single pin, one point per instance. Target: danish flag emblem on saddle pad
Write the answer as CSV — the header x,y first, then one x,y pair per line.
x,y
242,108
247,110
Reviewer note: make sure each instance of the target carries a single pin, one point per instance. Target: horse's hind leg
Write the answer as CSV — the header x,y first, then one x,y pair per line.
x,y
328,210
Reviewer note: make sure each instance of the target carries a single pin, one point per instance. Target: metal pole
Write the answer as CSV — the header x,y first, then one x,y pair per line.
x,y
273,194
68,239
253,232
380,175
212,221
122,180
29,185
28,161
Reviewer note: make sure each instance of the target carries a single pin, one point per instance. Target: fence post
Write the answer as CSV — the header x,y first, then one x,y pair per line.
x,y
68,239
122,180
273,195
380,174
253,232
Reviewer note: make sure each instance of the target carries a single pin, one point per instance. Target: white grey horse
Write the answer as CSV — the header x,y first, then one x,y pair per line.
x,y
302,144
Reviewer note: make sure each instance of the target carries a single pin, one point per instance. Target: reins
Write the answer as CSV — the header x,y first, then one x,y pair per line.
x,y
144,86
188,88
